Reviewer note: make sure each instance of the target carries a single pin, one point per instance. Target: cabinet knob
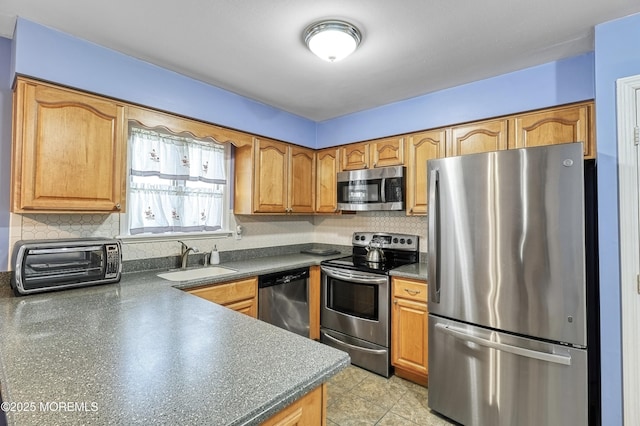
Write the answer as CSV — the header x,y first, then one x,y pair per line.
x,y
395,301
411,210
375,165
118,206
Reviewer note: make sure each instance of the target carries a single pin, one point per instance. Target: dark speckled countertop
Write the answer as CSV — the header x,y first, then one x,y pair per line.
x,y
144,352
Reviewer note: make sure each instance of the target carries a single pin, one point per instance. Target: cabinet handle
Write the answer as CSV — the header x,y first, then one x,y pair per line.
x,y
118,206
412,292
395,301
375,165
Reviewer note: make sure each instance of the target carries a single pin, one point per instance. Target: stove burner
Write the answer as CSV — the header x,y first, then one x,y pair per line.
x,y
394,254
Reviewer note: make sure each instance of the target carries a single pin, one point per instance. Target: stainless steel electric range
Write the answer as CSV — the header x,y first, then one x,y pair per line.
x,y
356,296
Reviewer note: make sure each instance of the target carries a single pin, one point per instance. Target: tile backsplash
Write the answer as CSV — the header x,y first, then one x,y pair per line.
x,y
258,231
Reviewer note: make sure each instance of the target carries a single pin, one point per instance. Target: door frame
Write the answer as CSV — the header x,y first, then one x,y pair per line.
x,y
628,100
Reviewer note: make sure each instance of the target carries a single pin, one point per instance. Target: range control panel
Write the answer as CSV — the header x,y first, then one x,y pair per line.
x,y
386,241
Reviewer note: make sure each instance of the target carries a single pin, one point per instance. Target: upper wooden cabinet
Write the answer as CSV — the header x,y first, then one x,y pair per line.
x,y
554,126
274,177
484,136
68,151
377,153
302,191
387,152
327,168
422,146
355,156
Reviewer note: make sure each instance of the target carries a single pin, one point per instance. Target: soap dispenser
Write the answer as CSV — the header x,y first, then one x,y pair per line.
x,y
215,256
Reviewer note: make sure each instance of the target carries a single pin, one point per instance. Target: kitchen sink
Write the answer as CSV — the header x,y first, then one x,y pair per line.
x,y
194,274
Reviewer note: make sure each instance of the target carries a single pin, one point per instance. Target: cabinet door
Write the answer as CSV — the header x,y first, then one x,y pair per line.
x,y
271,176
69,151
241,295
388,152
328,162
409,343
478,137
423,146
555,126
409,329
309,410
302,174
355,156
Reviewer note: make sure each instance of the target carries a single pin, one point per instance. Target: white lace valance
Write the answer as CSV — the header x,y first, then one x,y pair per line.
x,y
175,157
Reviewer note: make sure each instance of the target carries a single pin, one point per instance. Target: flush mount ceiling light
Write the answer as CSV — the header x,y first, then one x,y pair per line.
x,y
332,40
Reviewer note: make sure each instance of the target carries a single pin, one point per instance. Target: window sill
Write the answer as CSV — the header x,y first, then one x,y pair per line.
x,y
132,239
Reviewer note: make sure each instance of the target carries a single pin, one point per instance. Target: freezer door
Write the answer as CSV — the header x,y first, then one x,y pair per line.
x,y
485,377
506,241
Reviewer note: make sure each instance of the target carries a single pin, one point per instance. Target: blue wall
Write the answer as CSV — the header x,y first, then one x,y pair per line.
x,y
617,55
58,57
554,83
5,147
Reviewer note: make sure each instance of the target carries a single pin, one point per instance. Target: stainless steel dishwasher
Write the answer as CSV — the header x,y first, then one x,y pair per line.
x,y
283,300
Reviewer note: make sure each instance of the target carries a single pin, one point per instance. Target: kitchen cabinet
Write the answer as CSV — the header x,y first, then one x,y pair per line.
x,y
327,168
478,137
314,302
409,327
376,153
309,410
387,152
69,151
274,177
241,295
355,156
554,126
422,146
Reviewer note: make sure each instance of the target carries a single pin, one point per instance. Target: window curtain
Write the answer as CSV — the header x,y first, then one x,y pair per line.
x,y
176,183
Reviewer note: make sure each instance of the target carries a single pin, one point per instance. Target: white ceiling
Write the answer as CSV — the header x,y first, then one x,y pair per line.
x,y
255,47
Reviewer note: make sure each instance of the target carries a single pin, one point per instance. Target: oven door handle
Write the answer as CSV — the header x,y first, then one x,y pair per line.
x,y
359,348
355,277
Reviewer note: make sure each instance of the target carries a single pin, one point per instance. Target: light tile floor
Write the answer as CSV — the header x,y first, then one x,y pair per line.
x,y
359,397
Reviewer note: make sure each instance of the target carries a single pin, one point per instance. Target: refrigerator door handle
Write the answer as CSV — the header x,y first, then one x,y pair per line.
x,y
542,356
434,199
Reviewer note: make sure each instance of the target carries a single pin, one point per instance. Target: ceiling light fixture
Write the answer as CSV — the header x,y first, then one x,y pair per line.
x,y
332,40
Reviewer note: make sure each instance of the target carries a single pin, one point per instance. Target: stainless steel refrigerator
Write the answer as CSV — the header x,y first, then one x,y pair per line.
x,y
511,288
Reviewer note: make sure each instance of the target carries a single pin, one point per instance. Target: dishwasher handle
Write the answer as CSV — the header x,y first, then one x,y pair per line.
x,y
284,277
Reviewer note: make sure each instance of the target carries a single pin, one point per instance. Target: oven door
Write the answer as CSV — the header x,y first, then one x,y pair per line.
x,y
356,303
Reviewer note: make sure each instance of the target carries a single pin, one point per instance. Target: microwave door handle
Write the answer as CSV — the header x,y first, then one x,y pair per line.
x,y
383,190
434,235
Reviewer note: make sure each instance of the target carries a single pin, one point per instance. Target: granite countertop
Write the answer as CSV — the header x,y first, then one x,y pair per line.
x,y
417,271
144,352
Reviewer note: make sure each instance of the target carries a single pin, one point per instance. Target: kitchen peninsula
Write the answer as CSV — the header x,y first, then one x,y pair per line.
x,y
143,352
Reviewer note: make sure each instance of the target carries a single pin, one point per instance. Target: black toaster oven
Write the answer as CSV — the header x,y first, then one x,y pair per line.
x,y
46,265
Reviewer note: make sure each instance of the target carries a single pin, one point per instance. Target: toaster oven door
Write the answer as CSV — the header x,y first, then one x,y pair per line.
x,y
52,267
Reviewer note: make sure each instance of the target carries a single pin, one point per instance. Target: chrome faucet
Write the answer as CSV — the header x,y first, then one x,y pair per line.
x,y
184,253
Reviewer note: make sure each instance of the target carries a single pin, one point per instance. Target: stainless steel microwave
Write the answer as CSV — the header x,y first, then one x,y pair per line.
x,y
45,265
372,189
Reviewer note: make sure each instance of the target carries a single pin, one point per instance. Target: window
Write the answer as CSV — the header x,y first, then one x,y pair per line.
x,y
176,183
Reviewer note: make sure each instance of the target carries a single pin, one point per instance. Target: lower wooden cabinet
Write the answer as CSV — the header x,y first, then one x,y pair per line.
x,y
314,302
241,295
409,328
310,410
